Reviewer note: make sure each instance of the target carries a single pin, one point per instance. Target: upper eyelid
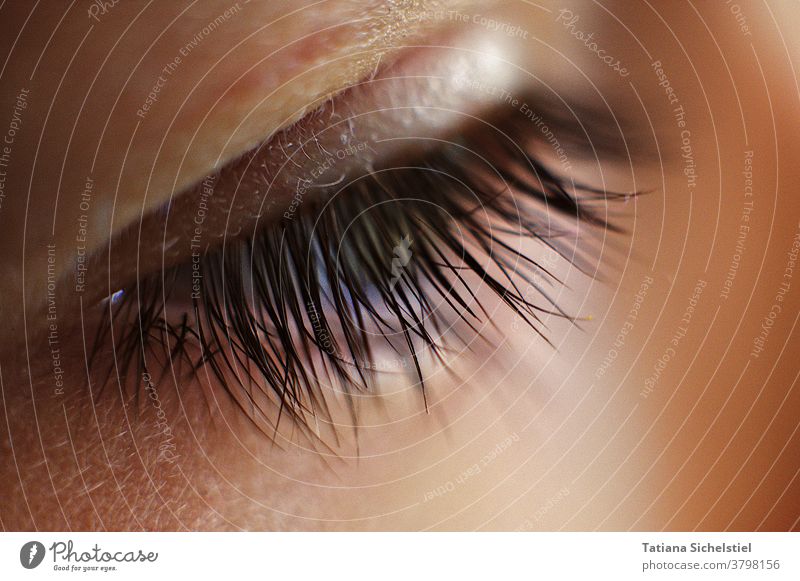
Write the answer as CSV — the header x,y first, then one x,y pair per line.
x,y
128,157
151,225
573,133
431,76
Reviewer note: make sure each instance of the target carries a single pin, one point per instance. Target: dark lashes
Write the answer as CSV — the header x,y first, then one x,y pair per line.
x,y
393,257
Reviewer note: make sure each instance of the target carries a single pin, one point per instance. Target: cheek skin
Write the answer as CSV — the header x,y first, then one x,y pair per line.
x,y
187,458
167,459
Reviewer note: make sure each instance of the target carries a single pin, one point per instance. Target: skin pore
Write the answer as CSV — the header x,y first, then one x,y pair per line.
x,y
130,108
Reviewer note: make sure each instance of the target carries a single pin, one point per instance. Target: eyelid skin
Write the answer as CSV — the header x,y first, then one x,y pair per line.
x,y
413,105
204,68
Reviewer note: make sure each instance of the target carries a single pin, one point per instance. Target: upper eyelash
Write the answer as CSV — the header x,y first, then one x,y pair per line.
x,y
264,329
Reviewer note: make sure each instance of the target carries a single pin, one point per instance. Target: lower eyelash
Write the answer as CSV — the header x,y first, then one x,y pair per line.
x,y
303,302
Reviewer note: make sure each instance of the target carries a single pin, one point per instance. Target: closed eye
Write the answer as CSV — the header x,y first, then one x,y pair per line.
x,y
345,239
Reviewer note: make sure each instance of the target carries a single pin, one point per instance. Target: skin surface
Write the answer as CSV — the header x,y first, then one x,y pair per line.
x,y
255,76
675,426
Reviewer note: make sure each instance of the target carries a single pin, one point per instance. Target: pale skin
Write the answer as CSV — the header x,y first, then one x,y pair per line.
x,y
530,437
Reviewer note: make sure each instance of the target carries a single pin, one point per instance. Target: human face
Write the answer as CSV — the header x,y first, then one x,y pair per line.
x,y
532,266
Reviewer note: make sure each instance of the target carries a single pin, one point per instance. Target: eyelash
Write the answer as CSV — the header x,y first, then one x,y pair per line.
x,y
307,286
